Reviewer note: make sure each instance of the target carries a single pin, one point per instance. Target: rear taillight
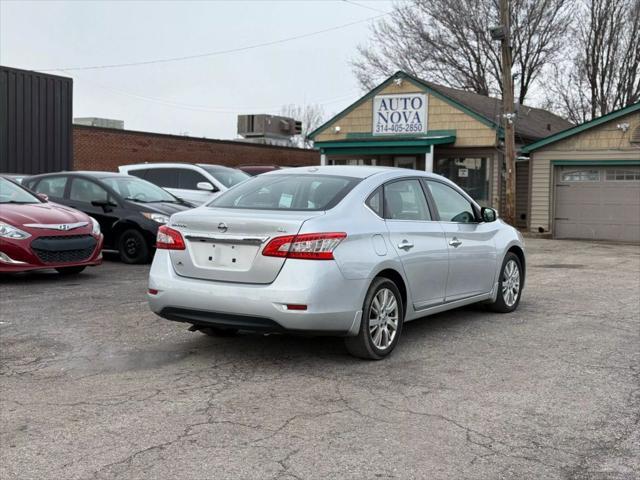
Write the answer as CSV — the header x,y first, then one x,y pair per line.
x,y
169,239
309,246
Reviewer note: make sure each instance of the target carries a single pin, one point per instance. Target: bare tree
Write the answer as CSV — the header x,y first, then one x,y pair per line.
x,y
311,116
448,41
568,94
539,31
603,73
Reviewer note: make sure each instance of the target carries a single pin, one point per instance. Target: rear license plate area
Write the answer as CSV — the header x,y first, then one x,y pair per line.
x,y
223,256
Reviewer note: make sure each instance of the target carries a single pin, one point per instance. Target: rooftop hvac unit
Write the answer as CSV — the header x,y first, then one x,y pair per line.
x,y
272,126
99,122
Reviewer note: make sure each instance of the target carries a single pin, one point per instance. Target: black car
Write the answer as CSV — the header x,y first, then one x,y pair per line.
x,y
129,209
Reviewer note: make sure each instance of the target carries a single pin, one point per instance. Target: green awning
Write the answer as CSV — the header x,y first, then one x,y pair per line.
x,y
383,146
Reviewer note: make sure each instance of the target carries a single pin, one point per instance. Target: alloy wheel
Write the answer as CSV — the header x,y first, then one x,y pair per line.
x,y
510,283
383,318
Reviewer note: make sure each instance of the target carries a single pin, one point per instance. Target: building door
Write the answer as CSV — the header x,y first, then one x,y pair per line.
x,y
597,203
522,193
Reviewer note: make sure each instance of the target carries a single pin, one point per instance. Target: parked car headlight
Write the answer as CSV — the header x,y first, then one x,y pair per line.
x,y
9,231
156,217
96,226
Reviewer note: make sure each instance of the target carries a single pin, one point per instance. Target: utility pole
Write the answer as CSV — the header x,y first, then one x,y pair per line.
x,y
508,115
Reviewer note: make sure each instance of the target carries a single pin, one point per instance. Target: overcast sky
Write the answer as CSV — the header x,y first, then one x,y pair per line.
x,y
200,96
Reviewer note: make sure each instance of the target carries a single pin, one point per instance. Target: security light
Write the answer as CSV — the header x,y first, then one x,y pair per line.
x,y
509,117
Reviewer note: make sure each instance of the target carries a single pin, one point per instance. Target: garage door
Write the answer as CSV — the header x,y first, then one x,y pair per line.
x,y
598,203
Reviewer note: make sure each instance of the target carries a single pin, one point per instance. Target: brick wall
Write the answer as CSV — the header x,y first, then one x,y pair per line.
x,y
105,149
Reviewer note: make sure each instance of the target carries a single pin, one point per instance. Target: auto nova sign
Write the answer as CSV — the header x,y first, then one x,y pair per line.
x,y
398,114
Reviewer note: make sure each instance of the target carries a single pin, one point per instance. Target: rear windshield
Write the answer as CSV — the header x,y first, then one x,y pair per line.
x,y
287,192
226,176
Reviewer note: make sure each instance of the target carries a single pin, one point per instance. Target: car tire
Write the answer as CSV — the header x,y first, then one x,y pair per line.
x,y
133,247
372,342
219,332
509,285
70,270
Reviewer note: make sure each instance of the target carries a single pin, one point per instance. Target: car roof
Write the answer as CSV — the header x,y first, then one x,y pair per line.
x,y
355,171
171,165
98,174
215,166
86,173
266,168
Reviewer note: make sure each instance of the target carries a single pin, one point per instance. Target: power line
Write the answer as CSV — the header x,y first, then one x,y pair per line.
x,y
211,54
206,108
351,2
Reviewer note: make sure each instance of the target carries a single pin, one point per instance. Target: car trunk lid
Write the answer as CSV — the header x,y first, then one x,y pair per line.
x,y
226,244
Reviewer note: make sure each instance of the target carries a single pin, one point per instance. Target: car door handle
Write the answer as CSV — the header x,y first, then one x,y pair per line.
x,y
454,242
405,245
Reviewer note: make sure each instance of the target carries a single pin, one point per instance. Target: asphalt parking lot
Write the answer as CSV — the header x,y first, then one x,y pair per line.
x,y
93,385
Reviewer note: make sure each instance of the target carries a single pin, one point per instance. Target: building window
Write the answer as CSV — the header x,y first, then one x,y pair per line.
x,y
620,175
351,161
471,174
405,162
581,176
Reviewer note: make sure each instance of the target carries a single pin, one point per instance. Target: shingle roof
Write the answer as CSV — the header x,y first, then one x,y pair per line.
x,y
531,123
573,130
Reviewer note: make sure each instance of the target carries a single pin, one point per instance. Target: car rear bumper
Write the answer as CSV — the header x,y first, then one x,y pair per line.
x,y
333,303
19,256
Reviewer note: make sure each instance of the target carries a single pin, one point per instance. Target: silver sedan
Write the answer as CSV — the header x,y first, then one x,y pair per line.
x,y
348,251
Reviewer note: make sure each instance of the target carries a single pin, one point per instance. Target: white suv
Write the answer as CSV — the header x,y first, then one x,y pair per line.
x,y
195,183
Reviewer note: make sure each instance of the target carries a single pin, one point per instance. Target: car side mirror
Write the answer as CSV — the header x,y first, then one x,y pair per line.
x,y
488,214
43,196
205,186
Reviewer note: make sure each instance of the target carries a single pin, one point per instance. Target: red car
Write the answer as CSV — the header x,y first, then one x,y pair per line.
x,y
36,234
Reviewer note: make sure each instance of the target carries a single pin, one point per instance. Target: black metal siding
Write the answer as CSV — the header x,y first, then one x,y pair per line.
x,y
35,122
